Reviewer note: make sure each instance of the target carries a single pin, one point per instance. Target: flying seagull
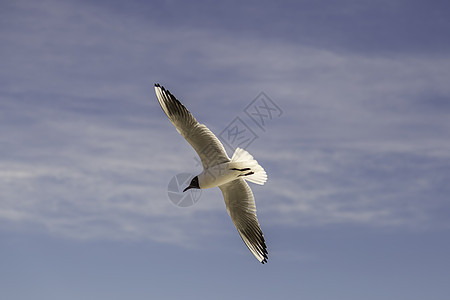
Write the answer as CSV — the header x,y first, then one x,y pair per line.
x,y
219,170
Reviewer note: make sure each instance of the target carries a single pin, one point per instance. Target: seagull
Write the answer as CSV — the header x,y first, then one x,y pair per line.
x,y
230,175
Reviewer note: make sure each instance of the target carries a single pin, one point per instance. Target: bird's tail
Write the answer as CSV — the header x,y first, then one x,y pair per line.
x,y
243,160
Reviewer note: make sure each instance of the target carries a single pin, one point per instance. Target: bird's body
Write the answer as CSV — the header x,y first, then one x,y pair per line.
x,y
241,165
229,175
218,175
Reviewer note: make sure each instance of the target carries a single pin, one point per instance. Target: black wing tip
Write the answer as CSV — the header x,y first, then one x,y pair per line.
x,y
157,85
164,90
265,256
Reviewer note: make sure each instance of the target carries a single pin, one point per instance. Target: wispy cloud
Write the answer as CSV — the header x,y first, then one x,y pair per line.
x,y
87,153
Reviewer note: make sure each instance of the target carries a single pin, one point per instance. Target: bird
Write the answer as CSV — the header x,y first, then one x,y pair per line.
x,y
230,175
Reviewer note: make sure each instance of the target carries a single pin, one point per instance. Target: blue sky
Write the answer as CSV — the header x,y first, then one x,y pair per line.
x,y
356,205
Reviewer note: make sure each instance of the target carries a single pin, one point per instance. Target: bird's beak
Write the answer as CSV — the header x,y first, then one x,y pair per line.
x,y
189,187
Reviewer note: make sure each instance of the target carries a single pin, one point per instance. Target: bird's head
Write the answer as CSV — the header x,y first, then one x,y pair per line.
x,y
193,185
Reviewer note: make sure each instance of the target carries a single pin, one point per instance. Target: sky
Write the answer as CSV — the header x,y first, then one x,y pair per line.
x,y
346,105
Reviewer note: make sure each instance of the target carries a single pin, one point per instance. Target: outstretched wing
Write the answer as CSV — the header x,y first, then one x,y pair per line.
x,y
241,207
205,143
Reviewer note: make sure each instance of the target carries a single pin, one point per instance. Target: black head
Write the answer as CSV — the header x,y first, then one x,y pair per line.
x,y
193,185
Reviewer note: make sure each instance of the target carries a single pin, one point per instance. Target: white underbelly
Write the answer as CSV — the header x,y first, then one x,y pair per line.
x,y
216,176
